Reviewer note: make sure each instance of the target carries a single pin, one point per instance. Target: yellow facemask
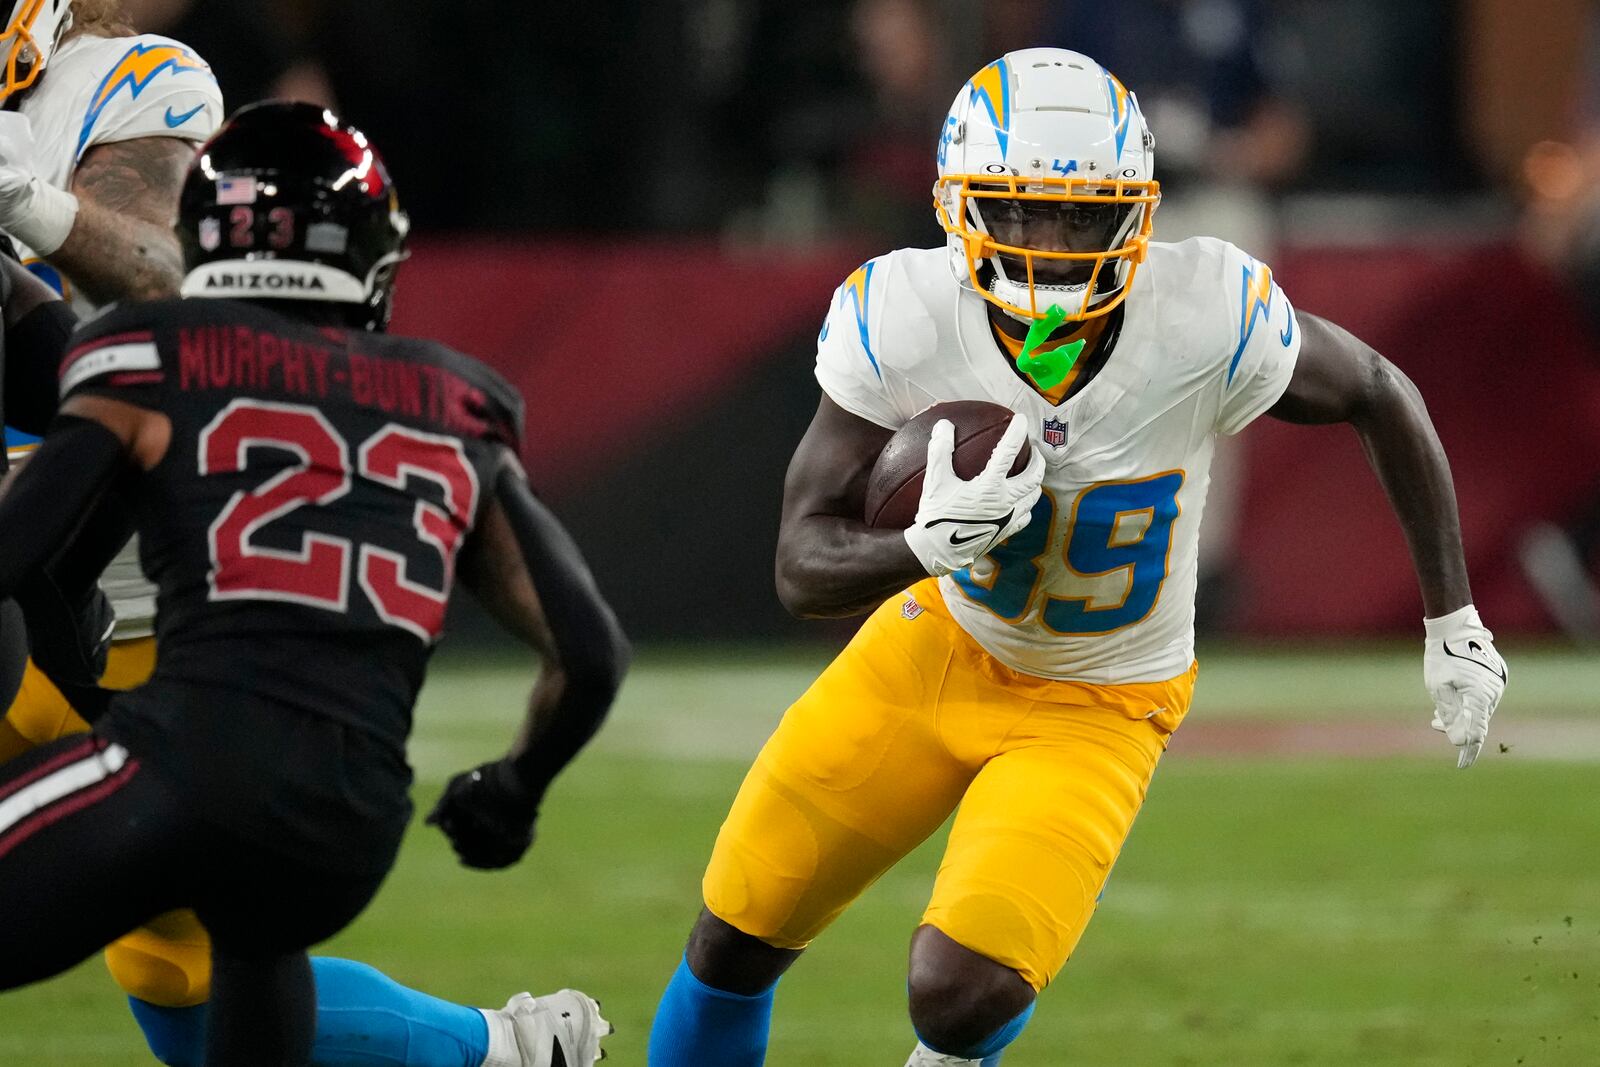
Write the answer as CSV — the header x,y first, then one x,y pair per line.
x,y
955,196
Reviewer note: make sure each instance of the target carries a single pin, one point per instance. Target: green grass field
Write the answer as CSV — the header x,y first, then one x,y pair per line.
x,y
1287,906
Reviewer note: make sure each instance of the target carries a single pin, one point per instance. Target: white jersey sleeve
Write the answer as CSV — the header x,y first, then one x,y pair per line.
x,y
878,345
1267,341
151,86
848,366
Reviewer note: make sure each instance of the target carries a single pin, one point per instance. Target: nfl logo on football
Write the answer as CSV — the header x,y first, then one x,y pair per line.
x,y
1055,433
210,234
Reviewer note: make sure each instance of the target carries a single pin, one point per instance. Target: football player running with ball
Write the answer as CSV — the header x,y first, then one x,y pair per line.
x,y
1033,675
306,489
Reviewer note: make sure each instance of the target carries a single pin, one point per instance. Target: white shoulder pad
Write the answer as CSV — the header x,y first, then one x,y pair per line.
x,y
848,368
875,332
1263,339
150,86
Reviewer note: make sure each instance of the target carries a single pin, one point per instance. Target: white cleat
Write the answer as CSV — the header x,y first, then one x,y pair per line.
x,y
561,1029
923,1056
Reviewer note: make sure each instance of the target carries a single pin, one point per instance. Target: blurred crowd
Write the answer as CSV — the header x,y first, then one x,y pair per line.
x,y
775,120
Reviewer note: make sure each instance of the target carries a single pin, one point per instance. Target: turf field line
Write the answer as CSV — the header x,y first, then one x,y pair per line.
x,y
1550,739
1305,913
691,739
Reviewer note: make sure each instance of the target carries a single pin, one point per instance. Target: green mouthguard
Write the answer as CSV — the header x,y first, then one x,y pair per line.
x,y
1048,369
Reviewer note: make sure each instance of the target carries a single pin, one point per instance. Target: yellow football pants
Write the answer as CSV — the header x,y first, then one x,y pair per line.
x,y
168,962
910,720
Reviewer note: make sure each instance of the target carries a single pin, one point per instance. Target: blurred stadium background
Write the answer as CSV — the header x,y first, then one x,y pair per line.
x,y
638,211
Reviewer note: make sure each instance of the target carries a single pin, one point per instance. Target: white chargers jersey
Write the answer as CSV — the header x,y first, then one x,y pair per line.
x,y
1100,586
97,90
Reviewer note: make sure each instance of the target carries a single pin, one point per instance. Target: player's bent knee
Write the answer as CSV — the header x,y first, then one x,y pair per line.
x,y
726,958
167,964
1032,933
960,1001
962,1019
164,982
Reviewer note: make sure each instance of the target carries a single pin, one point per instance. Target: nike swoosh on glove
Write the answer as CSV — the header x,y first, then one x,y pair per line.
x,y
1466,677
959,521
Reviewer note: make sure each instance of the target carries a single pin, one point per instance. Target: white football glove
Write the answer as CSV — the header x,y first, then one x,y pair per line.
x,y
31,210
958,521
1465,676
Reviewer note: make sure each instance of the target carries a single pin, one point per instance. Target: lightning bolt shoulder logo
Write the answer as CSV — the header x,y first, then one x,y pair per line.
x,y
137,68
857,289
1255,301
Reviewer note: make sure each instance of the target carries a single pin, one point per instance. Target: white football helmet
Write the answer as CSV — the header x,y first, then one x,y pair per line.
x,y
31,36
1046,184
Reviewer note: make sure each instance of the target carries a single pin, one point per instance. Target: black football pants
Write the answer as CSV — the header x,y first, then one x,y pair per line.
x,y
94,844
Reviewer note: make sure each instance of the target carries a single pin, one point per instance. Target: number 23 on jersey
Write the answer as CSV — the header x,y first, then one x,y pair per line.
x,y
1111,527
318,573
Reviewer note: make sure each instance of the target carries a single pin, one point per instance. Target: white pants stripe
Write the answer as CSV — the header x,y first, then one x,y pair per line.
x,y
94,768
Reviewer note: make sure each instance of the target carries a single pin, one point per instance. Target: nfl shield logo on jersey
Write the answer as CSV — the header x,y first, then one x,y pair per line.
x,y
1055,433
210,234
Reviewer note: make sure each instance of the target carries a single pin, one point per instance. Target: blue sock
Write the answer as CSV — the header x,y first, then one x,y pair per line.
x,y
990,1048
697,1026
364,1019
176,1036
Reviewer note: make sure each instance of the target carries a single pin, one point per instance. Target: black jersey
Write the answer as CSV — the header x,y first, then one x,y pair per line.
x,y
303,524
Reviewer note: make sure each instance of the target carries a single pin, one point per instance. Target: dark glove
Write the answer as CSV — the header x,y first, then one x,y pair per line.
x,y
69,632
488,815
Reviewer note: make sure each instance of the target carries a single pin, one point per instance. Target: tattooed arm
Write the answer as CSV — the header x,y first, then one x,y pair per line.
x,y
122,246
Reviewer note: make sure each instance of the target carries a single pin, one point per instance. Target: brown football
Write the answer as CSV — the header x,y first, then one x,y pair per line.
x,y
894,488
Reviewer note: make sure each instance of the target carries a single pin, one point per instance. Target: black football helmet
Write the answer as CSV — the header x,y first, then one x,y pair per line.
x,y
289,202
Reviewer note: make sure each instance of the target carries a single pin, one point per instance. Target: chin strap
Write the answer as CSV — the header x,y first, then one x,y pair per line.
x,y
1048,369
